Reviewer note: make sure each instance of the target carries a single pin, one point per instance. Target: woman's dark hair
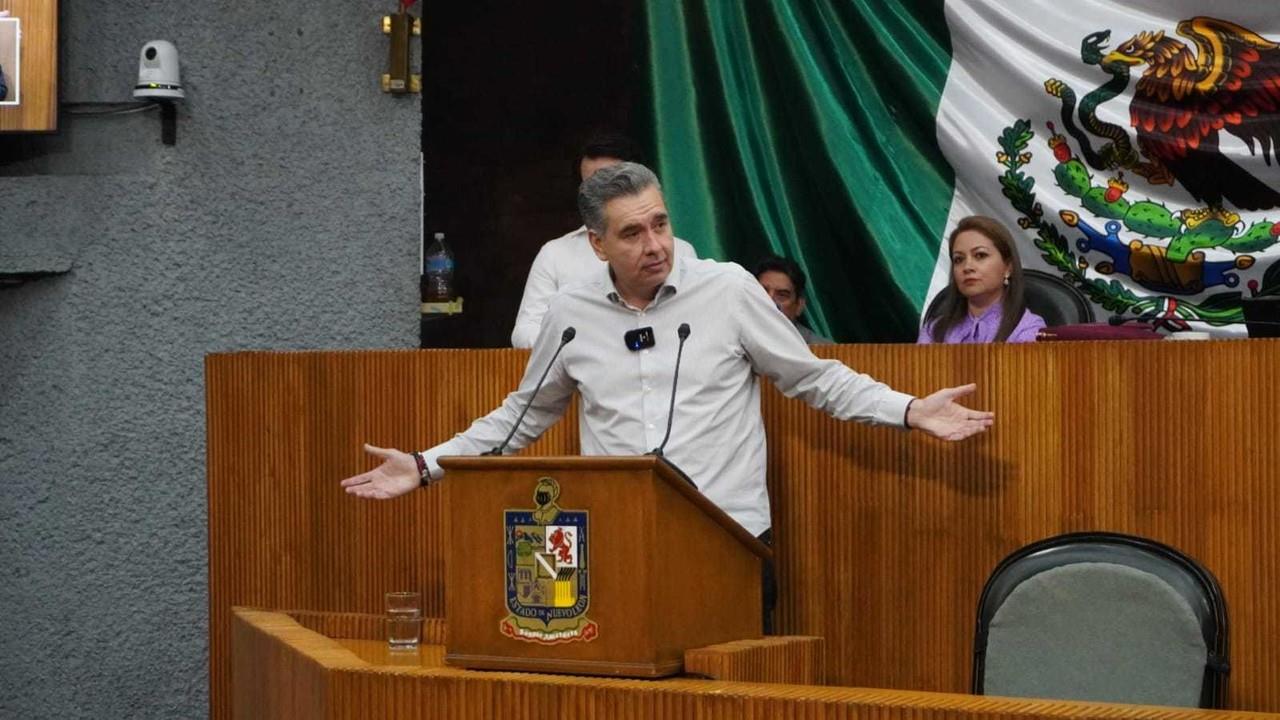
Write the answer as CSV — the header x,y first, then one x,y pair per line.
x,y
953,306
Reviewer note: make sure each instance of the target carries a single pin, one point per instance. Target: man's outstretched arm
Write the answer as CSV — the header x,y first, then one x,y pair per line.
x,y
778,352
401,472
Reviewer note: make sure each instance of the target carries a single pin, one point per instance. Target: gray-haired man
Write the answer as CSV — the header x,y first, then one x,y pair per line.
x,y
737,333
569,259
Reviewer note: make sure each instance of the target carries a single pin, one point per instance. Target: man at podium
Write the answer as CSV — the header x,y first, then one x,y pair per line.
x,y
665,353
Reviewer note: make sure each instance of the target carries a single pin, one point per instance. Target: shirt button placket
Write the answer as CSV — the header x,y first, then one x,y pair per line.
x,y
645,396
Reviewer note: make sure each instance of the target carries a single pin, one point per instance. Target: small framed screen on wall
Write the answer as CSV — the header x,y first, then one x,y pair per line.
x,y
28,65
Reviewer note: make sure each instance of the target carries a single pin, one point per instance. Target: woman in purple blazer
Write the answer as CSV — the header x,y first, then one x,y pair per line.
x,y
983,301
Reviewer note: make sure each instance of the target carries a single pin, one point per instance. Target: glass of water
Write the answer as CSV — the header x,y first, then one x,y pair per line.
x,y
404,620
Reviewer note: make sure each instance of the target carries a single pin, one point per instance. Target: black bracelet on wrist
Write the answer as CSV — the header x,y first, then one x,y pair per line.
x,y
424,475
907,413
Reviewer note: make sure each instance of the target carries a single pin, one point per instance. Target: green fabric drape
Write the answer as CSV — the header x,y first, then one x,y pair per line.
x,y
805,128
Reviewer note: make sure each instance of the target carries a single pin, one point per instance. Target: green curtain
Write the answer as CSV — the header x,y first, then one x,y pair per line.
x,y
805,128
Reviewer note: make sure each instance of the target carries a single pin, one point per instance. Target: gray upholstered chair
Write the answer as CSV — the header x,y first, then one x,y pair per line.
x,y
1102,617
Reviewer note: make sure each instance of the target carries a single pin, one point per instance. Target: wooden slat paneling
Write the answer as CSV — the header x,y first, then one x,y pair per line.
x,y
883,539
38,50
773,659
283,428
364,626
285,671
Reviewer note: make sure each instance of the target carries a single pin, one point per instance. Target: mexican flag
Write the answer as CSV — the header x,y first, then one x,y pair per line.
x,y
1129,146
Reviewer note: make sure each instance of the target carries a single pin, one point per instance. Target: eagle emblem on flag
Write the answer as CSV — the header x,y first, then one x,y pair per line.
x,y
1224,79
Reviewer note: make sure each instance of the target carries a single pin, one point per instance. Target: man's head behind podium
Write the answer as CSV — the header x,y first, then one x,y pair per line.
x,y
601,149
629,228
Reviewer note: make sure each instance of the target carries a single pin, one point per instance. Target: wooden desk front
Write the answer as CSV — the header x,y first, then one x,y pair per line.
x,y
282,670
883,538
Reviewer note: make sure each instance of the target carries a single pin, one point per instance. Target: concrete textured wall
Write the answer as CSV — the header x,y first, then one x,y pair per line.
x,y
287,216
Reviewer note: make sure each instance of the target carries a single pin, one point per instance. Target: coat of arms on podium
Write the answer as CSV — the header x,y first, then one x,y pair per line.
x,y
546,562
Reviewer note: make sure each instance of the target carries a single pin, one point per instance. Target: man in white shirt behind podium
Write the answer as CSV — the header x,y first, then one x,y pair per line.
x,y
568,259
735,334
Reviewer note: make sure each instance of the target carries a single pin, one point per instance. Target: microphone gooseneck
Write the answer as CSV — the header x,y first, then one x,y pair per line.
x,y
565,338
683,332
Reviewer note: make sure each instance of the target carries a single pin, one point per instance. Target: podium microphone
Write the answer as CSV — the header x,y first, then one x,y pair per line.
x,y
565,338
683,332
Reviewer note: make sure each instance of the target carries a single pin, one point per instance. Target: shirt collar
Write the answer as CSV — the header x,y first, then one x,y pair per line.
x,y
995,311
670,286
675,278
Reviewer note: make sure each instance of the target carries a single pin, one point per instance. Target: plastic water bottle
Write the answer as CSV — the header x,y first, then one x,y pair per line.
x,y
437,272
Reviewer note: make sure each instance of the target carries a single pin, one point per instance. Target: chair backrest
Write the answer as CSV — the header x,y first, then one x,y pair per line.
x,y
1102,617
1046,295
1055,300
1261,315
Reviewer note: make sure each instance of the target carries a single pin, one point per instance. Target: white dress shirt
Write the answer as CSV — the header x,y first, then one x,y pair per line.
x,y
718,433
810,337
567,260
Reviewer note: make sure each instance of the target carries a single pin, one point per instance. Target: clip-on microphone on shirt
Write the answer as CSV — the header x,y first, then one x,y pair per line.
x,y
639,339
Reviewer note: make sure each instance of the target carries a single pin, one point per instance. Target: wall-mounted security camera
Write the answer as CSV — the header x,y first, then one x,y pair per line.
x,y
158,74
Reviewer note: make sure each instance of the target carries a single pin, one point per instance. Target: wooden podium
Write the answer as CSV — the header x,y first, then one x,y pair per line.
x,y
599,566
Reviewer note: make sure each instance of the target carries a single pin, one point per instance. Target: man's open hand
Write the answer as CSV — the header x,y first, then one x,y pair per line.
x,y
397,475
942,417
